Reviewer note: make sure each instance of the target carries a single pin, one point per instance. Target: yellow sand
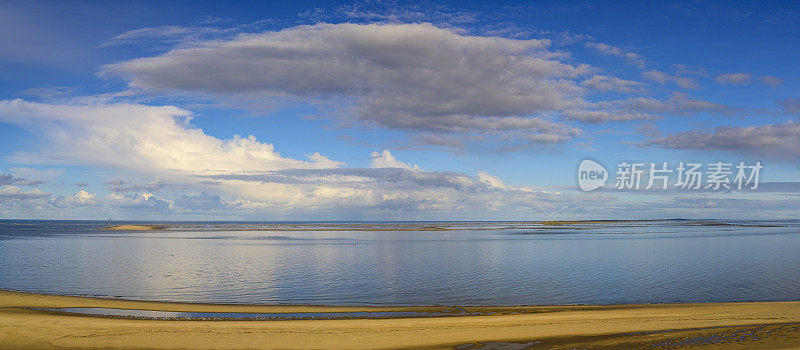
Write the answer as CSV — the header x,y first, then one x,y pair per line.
x,y
22,328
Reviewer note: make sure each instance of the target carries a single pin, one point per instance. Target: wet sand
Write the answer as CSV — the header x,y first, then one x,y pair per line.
x,y
133,227
768,325
167,228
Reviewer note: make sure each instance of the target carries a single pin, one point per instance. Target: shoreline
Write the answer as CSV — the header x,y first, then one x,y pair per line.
x,y
361,307
589,326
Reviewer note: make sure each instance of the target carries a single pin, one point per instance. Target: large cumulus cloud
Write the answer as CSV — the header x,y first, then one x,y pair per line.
x,y
242,173
404,76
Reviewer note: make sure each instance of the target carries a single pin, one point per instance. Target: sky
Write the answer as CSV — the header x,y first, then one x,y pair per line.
x,y
389,110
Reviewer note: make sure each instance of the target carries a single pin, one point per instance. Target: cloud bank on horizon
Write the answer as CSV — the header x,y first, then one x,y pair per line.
x,y
175,127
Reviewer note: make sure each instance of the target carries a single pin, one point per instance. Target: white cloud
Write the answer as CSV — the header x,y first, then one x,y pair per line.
x,y
663,78
678,103
648,108
36,175
734,78
392,12
790,106
150,140
122,185
747,79
158,142
166,33
772,140
399,189
12,193
606,116
492,181
138,202
770,80
609,50
9,179
181,35
416,77
405,76
606,83
385,159
81,198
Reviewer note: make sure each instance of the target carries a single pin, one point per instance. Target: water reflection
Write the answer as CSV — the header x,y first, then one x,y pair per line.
x,y
472,263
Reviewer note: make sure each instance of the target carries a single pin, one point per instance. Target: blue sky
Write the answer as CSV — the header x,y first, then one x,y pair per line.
x,y
391,110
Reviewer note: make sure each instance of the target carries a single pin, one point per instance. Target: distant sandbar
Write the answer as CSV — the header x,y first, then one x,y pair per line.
x,y
429,226
133,227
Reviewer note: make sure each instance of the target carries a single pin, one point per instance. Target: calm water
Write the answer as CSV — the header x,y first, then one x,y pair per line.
x,y
380,263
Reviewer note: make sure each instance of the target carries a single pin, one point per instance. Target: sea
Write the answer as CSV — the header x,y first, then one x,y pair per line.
x,y
407,263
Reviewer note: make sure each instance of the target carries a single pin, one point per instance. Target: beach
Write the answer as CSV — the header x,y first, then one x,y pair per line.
x,y
772,325
399,174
